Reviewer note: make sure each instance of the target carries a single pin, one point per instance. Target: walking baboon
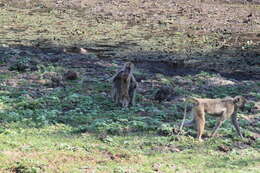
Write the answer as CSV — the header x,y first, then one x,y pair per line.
x,y
222,108
124,86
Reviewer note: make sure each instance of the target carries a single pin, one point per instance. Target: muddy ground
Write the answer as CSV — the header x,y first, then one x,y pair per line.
x,y
212,36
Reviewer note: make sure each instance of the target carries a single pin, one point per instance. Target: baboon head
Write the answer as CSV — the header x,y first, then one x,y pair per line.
x,y
129,67
240,101
127,70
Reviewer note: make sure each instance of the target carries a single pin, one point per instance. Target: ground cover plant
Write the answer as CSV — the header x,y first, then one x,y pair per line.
x,y
56,61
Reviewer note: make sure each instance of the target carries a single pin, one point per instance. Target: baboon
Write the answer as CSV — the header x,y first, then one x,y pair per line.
x,y
221,108
124,86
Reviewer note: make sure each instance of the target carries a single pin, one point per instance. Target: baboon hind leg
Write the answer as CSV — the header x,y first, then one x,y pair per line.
x,y
200,122
116,89
217,125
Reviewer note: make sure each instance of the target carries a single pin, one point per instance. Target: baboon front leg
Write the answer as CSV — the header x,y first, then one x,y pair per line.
x,y
132,97
200,122
132,92
235,123
114,94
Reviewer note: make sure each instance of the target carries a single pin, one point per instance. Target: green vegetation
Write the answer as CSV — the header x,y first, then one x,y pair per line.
x,y
52,124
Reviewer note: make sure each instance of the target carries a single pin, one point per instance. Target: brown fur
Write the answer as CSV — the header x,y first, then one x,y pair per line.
x,y
124,86
222,108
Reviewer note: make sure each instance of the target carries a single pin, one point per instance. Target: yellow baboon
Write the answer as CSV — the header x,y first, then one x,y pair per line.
x,y
222,108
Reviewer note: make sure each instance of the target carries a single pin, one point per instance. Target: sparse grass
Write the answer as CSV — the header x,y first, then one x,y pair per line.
x,y
56,148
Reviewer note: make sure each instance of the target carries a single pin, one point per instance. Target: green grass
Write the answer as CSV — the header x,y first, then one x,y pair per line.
x,y
56,147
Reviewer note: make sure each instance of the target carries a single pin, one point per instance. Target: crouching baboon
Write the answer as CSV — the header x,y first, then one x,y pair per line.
x,y
222,108
124,86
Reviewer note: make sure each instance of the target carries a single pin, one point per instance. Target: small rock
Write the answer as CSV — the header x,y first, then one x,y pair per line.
x,y
49,75
219,81
181,81
241,145
83,51
163,93
71,75
19,67
173,150
140,77
56,82
224,148
54,59
34,68
55,79
27,96
43,81
75,50
11,82
104,94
